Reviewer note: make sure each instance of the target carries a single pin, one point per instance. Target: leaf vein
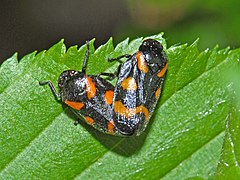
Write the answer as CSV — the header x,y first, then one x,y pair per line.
x,y
29,143
190,155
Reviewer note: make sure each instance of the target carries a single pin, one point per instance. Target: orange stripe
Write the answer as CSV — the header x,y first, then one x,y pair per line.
x,y
163,71
74,105
129,84
123,111
111,127
90,88
157,94
109,96
142,65
89,120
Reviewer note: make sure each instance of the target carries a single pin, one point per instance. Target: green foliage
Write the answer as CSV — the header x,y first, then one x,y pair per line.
x,y
184,21
184,139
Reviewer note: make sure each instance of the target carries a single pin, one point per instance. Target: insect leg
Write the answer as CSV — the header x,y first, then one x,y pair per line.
x,y
51,87
119,58
111,75
77,122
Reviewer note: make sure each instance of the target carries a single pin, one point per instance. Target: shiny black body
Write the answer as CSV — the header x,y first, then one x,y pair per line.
x,y
124,109
147,83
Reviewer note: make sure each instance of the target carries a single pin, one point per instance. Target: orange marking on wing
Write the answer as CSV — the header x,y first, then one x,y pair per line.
x,y
163,71
89,120
144,110
142,65
90,88
111,127
157,94
129,84
123,111
109,96
74,105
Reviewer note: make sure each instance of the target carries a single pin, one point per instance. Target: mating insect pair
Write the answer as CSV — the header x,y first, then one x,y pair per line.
x,y
123,109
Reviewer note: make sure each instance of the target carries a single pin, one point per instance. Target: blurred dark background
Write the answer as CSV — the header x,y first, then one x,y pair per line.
x,y
29,25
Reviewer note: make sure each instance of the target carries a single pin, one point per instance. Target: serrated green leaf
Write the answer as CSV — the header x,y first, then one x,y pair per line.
x,y
229,164
184,139
228,167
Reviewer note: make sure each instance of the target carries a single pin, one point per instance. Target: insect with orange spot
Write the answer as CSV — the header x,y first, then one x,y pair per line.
x,y
124,109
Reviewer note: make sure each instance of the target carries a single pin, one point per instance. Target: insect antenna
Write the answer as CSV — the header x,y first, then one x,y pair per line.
x,y
86,58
